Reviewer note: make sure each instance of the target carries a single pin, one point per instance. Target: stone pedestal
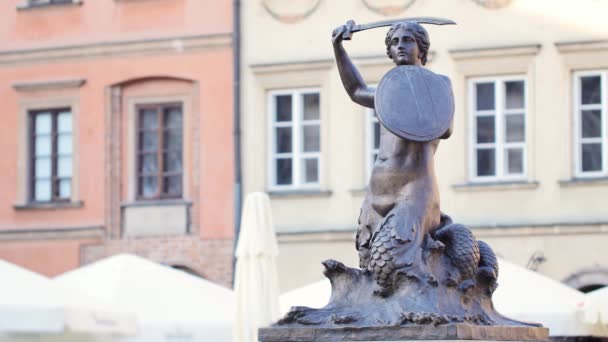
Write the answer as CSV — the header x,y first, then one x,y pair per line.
x,y
448,332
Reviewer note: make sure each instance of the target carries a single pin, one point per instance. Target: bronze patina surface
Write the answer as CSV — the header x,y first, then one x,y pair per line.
x,y
421,275
427,96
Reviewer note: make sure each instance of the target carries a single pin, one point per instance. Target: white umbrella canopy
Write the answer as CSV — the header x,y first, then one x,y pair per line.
x,y
529,296
169,303
315,295
596,310
32,304
256,280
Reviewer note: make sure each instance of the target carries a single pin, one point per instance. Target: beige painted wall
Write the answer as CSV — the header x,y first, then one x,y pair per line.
x,y
523,38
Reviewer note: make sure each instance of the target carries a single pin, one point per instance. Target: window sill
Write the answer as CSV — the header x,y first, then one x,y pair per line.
x,y
26,6
494,186
590,181
359,191
48,205
299,193
156,202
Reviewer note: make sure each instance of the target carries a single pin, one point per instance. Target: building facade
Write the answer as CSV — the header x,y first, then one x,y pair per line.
x,y
525,168
117,133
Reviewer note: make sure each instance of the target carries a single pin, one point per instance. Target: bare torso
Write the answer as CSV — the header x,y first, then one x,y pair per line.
x,y
404,174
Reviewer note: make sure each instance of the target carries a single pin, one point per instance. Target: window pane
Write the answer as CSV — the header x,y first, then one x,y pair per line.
x,y
148,186
515,94
592,157
172,140
43,146
486,165
172,162
43,123
148,163
515,128
148,118
283,170
485,129
173,117
64,166
283,140
591,123
311,170
311,106
148,141
283,107
312,141
64,144
65,188
376,133
172,185
42,190
515,161
590,90
64,122
42,167
485,96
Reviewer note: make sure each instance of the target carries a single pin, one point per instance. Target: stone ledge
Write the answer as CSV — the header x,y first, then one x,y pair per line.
x,y
162,45
48,205
51,84
495,51
583,181
38,234
300,193
28,6
498,185
579,46
447,332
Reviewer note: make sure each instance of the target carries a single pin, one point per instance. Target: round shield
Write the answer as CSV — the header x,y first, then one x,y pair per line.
x,y
415,103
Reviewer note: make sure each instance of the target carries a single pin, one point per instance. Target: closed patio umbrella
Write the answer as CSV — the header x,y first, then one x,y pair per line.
x,y
256,280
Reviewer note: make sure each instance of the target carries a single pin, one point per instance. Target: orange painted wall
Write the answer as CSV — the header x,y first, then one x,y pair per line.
x,y
110,20
211,69
101,21
46,257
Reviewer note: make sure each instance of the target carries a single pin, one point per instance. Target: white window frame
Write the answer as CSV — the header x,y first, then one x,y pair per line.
x,y
577,133
499,128
297,154
370,120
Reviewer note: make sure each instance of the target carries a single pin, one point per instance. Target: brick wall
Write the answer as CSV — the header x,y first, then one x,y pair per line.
x,y
212,259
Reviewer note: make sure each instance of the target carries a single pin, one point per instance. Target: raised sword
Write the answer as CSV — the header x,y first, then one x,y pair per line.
x,y
352,28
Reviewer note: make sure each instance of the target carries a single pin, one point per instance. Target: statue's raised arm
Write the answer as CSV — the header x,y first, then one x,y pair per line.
x,y
354,84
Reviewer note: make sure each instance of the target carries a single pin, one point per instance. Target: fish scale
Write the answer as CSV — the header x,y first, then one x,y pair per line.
x,y
461,247
381,264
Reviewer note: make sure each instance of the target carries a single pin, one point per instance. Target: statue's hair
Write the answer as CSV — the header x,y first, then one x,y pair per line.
x,y
422,38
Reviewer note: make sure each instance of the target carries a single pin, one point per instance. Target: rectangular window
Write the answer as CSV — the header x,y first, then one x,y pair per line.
x,y
159,151
591,105
295,143
51,155
373,141
498,128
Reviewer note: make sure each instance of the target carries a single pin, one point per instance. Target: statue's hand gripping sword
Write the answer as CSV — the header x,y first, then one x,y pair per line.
x,y
352,28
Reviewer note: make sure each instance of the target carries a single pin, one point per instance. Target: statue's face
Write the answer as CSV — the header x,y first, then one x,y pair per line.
x,y
404,48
